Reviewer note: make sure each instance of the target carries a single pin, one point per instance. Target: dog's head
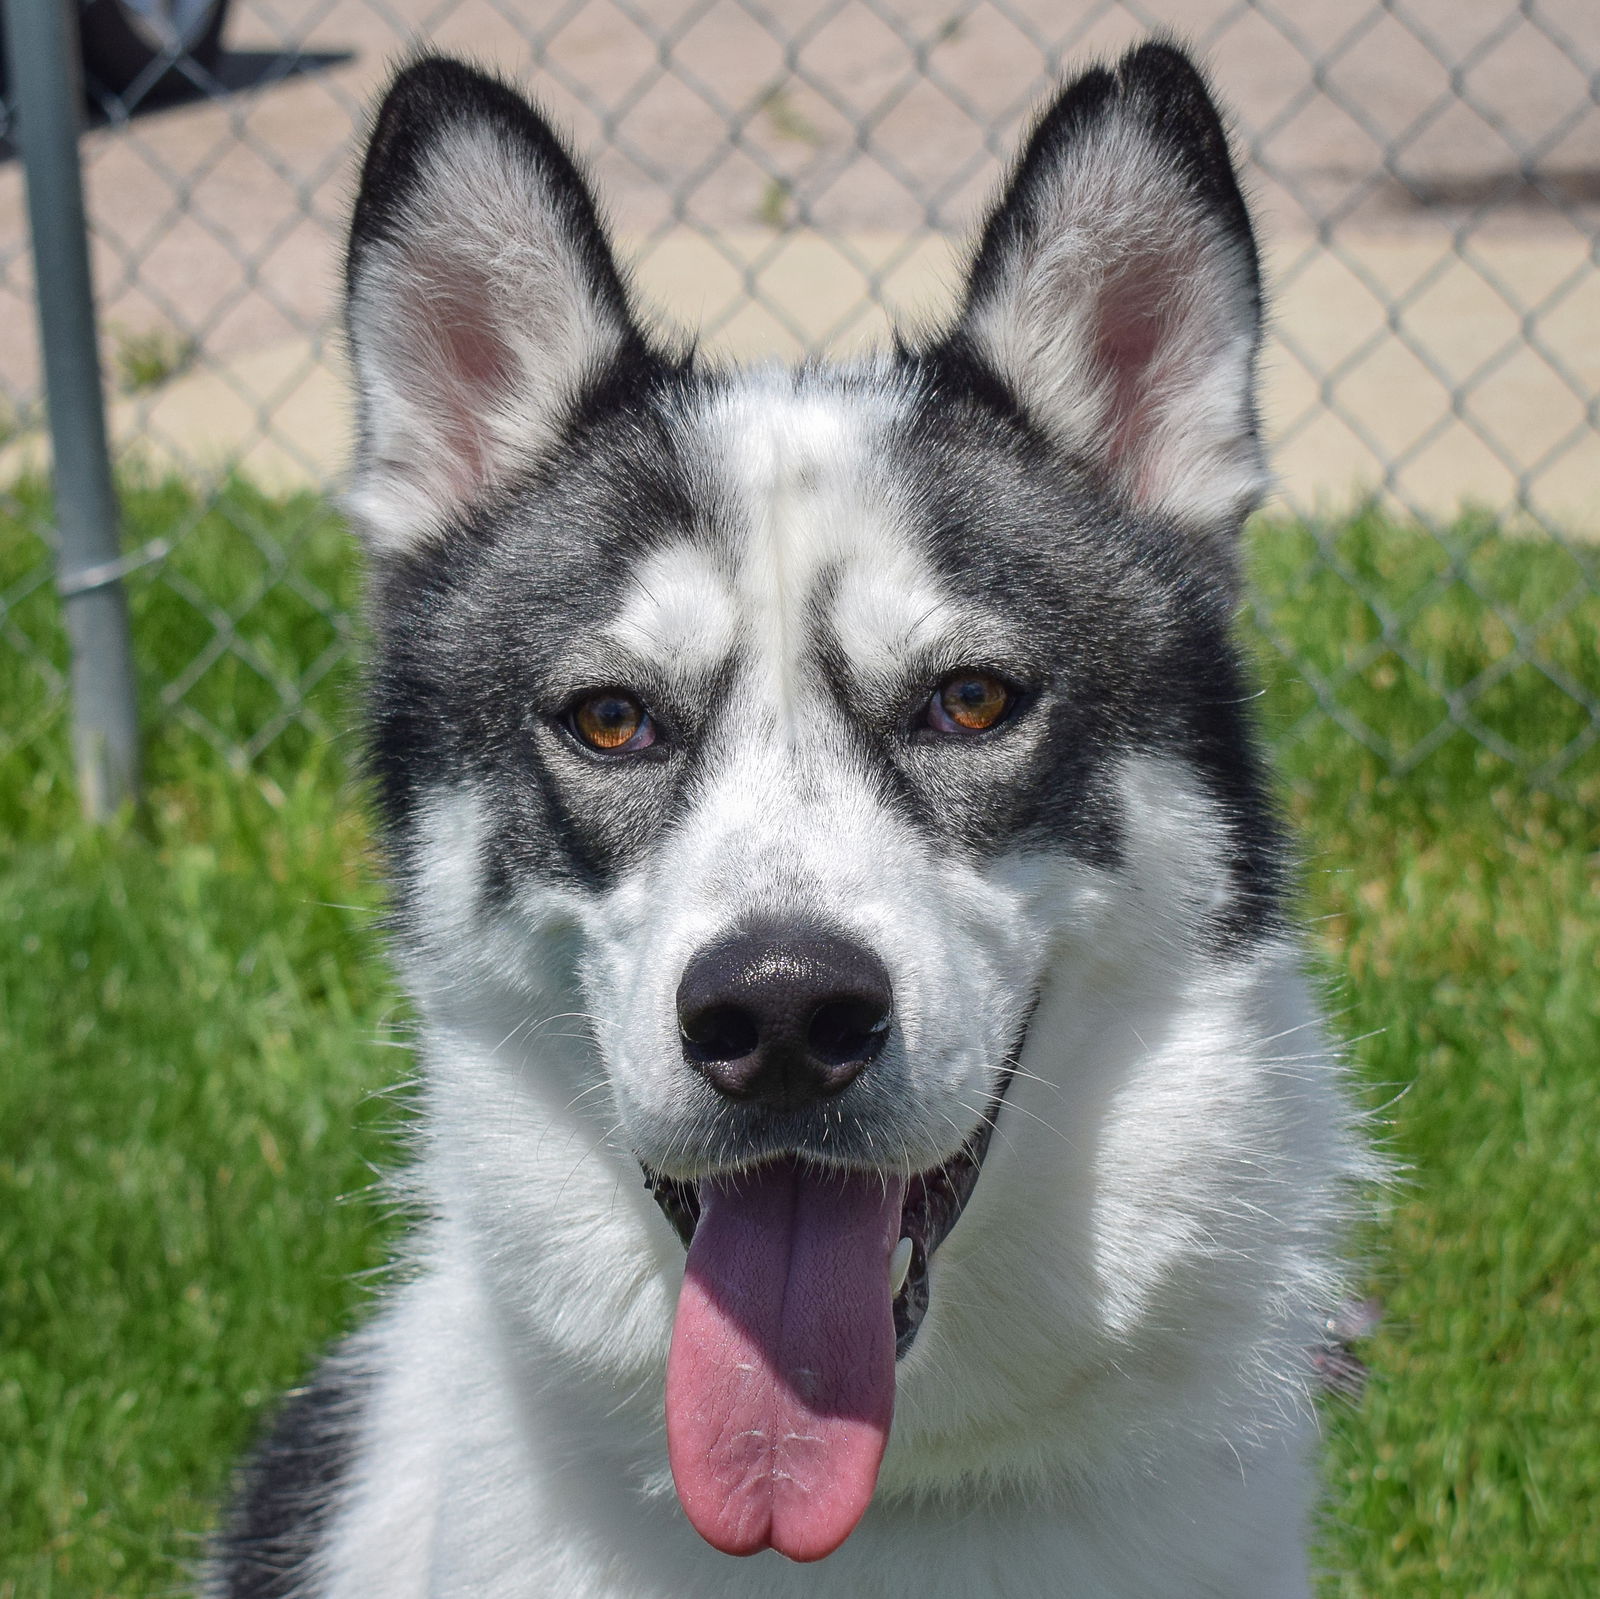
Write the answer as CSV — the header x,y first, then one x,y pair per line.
x,y
788,734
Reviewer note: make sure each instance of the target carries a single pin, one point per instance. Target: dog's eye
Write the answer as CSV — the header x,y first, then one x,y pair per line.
x,y
613,722
969,702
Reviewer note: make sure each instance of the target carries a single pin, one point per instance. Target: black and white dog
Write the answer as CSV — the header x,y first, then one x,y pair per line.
x,y
826,833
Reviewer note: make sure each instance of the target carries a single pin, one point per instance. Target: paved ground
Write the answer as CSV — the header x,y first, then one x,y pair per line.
x,y
220,220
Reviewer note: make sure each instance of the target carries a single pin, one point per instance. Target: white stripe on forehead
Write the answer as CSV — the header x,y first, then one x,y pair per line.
x,y
805,494
810,492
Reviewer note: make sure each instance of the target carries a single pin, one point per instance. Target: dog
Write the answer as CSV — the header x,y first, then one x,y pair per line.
x,y
873,1109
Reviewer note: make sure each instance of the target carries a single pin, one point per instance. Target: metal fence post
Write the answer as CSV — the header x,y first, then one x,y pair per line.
x,y
42,49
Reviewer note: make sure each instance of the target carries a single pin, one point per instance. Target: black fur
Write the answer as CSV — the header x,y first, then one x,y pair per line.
x,y
1134,630
475,662
288,1489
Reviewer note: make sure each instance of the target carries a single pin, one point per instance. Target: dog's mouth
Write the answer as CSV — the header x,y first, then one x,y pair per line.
x,y
803,1288
933,1203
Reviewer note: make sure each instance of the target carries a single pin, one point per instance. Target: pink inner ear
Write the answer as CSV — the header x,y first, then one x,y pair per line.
x,y
1141,304
459,368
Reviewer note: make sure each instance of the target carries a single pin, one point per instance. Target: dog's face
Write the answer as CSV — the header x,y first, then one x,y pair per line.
x,y
787,734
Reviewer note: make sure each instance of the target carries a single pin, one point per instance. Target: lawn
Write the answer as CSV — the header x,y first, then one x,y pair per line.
x,y
197,1032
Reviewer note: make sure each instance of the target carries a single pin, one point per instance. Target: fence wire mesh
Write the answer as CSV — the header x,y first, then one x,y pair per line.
x,y
1426,174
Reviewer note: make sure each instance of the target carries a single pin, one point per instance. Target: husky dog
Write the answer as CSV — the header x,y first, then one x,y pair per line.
x,y
871,1105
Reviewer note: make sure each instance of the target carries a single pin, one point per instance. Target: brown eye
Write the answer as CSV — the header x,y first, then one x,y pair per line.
x,y
969,702
613,722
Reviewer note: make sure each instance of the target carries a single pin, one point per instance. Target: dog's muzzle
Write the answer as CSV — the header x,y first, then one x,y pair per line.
x,y
782,1018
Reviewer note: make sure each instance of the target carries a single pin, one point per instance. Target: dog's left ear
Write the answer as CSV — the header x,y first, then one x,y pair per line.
x,y
482,298
1116,292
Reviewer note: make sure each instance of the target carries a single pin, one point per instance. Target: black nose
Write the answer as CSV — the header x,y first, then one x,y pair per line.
x,y
783,1014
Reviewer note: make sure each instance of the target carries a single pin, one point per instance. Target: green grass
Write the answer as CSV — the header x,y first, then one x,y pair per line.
x,y
193,1014
145,358
784,117
1458,918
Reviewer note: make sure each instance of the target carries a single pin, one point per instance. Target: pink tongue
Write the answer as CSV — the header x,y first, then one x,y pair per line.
x,y
780,1382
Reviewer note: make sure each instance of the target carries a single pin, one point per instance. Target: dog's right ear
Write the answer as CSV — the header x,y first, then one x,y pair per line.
x,y
481,298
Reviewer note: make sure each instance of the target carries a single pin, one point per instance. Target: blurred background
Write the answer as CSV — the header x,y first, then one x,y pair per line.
x,y
195,1037
1426,175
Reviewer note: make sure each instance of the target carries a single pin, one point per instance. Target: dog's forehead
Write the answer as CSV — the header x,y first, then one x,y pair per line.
x,y
815,541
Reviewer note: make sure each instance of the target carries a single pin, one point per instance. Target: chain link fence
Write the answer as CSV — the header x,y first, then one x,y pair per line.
x,y
1426,175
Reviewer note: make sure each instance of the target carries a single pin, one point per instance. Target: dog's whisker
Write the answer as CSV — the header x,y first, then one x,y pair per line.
x,y
602,1142
583,1094
1015,1070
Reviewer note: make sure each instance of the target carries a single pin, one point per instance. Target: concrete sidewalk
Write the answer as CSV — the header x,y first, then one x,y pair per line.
x,y
1345,394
